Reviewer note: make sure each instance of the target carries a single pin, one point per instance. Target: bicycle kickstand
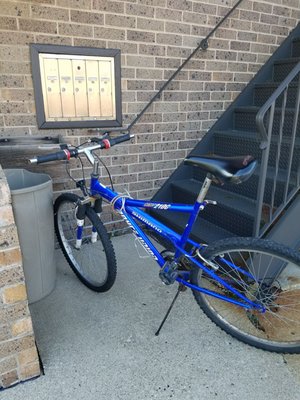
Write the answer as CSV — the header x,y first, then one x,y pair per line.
x,y
181,288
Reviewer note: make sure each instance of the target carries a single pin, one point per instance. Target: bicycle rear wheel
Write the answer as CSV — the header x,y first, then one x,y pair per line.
x,y
93,263
266,273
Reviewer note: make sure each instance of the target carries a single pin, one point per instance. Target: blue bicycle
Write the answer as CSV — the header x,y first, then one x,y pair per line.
x,y
249,287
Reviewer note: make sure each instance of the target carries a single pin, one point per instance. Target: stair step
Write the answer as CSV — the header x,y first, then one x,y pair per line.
x,y
244,120
203,231
232,143
222,197
263,91
282,68
296,47
232,211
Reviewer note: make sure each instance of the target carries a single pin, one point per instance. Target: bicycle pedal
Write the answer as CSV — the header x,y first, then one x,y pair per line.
x,y
169,272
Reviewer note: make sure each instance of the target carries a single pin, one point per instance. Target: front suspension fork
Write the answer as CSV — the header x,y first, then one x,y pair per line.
x,y
80,215
98,210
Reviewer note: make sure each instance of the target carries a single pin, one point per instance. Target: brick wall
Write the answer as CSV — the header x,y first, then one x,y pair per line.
x,y
18,354
155,36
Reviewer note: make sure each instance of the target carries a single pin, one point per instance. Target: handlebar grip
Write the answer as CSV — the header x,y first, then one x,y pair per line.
x,y
120,139
59,155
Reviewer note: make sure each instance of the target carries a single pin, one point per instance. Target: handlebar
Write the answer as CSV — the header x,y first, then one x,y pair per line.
x,y
66,153
59,155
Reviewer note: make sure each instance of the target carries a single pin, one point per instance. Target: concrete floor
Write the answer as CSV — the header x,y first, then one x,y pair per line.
x,y
102,346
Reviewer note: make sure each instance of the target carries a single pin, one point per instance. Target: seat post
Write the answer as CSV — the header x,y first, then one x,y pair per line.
x,y
194,214
204,189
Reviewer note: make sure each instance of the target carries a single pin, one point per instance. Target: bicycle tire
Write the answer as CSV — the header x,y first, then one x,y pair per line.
x,y
276,286
94,263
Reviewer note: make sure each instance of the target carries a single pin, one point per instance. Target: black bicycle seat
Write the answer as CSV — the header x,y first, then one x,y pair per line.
x,y
226,169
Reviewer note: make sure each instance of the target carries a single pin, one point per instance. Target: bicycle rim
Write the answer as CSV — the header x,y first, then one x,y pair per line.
x,y
267,274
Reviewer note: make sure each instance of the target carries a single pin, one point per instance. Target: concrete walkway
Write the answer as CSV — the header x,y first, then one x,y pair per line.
x,y
102,346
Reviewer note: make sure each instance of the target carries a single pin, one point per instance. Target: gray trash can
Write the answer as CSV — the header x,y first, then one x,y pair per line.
x,y
33,211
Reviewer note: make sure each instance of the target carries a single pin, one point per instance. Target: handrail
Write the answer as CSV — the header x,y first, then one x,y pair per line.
x,y
291,188
262,112
202,45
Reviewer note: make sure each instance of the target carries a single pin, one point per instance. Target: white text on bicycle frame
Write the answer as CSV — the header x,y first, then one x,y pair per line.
x,y
141,240
158,206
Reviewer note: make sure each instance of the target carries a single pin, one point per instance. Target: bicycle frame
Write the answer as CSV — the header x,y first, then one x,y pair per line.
x,y
130,210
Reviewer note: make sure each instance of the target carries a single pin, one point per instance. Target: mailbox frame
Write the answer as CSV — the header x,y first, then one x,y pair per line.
x,y
43,123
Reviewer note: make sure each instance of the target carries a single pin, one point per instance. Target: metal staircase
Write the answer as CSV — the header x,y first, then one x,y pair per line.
x,y
263,122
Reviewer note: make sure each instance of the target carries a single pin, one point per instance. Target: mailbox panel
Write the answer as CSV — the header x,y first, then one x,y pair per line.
x,y
66,88
81,88
106,84
93,93
51,85
80,91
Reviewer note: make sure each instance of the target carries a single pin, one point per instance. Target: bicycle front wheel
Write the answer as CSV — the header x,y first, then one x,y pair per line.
x,y
94,262
266,273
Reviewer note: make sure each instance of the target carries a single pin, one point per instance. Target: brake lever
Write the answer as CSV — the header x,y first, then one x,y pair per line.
x,y
99,139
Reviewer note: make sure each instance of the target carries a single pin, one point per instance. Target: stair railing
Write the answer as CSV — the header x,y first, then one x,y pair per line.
x,y
266,210
203,45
